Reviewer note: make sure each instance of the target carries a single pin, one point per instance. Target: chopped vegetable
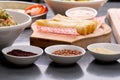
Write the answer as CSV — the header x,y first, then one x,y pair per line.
x,y
5,18
36,9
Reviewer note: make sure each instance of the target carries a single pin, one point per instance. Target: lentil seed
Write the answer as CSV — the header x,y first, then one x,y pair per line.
x,y
67,52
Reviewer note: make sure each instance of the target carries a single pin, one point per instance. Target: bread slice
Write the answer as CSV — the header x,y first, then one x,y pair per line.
x,y
83,27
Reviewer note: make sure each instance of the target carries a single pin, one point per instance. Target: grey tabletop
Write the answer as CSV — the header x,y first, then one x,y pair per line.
x,y
86,68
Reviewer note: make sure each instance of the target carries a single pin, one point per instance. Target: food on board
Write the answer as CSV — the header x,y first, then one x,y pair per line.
x,y
67,52
18,10
43,39
65,25
6,19
36,9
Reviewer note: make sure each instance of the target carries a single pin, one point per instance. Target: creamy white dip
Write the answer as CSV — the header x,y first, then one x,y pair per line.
x,y
81,13
103,51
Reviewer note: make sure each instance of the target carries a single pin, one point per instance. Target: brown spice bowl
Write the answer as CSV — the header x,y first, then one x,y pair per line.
x,y
22,60
61,59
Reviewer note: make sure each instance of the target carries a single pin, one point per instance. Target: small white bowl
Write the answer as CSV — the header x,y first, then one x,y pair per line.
x,y
26,60
64,59
81,13
107,57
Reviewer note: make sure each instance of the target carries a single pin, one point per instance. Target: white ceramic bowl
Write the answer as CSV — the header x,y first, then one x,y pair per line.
x,y
9,34
22,60
16,5
81,13
59,6
64,59
105,56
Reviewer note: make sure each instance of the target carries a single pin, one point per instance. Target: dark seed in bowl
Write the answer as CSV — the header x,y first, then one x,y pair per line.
x,y
67,52
17,52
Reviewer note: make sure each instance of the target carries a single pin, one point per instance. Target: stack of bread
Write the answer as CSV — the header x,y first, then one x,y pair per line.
x,y
82,27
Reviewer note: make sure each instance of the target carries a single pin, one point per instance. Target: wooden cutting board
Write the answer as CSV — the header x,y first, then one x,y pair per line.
x,y
42,39
114,20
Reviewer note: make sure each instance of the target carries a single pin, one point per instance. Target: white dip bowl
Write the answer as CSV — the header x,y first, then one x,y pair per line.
x,y
105,51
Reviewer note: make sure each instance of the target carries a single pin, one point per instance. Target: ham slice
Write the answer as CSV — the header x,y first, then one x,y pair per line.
x,y
69,31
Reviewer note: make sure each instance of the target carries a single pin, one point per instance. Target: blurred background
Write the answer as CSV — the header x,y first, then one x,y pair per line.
x,y
39,1
43,0
114,0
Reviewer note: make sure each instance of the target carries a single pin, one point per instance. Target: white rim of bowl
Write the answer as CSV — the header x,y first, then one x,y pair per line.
x,y
12,26
39,15
18,2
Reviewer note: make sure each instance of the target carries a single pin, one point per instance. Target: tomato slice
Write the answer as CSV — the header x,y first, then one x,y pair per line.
x,y
36,9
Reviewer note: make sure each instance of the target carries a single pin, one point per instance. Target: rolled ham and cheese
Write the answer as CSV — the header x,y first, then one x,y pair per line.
x,y
62,24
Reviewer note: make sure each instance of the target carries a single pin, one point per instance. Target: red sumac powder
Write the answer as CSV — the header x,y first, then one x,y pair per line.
x,y
17,52
67,52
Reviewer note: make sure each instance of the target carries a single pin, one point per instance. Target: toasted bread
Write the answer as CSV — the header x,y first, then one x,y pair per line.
x,y
83,27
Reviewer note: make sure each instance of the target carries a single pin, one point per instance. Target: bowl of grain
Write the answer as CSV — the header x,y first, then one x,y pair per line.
x,y
65,54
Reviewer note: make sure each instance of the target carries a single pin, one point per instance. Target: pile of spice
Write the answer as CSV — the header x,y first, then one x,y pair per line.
x,y
17,52
67,52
